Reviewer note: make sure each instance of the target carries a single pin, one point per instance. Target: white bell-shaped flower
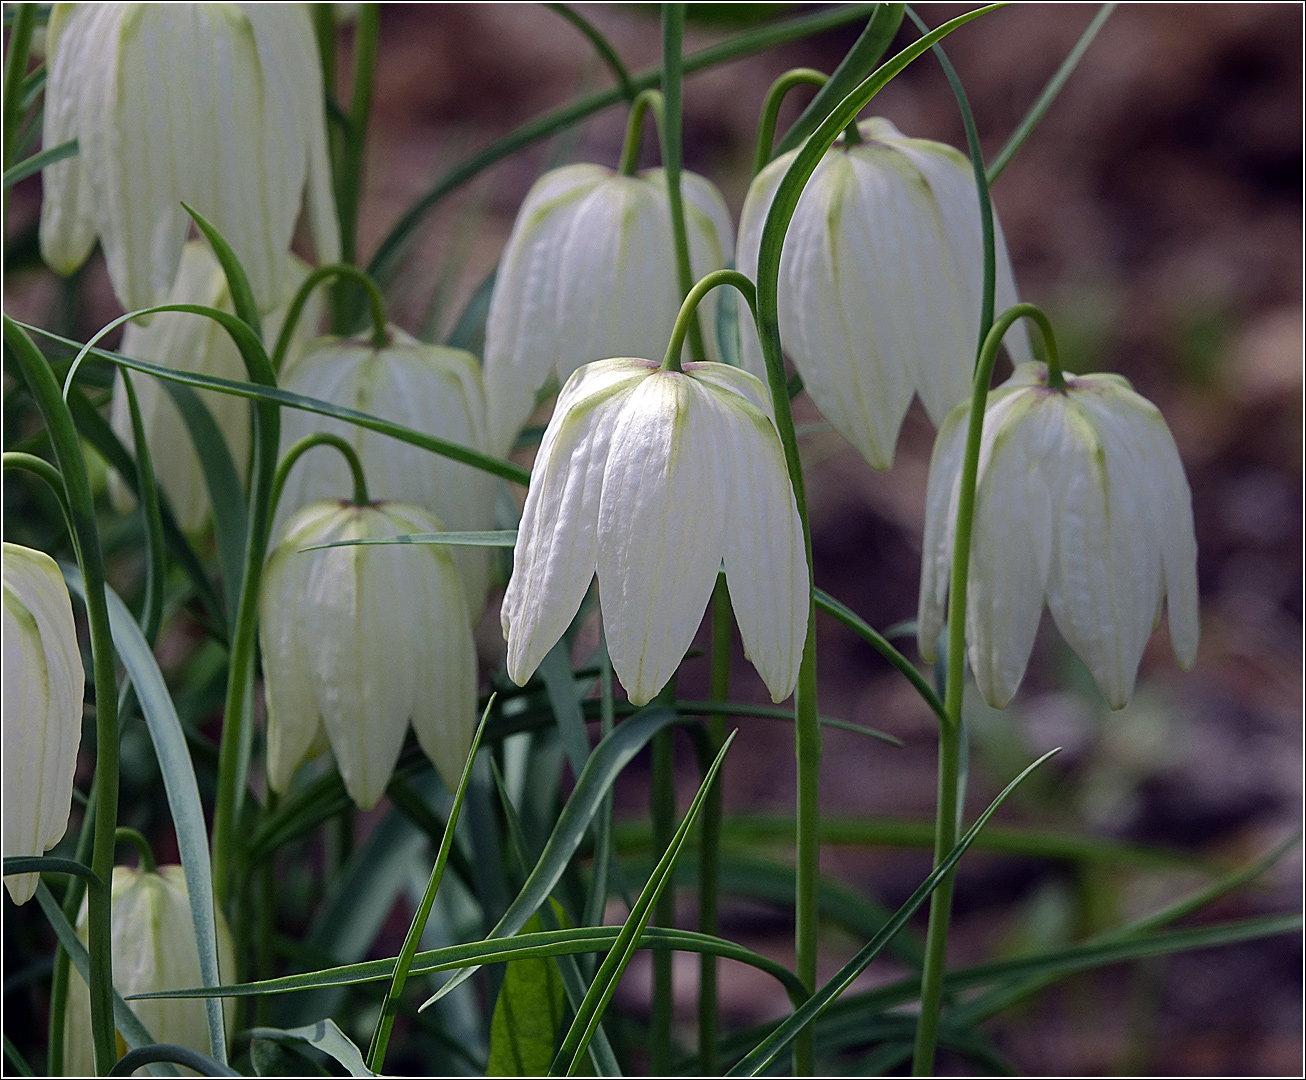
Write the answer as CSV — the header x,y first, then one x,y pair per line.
x,y
43,686
652,477
881,280
194,343
425,387
219,106
358,641
1081,501
153,949
589,272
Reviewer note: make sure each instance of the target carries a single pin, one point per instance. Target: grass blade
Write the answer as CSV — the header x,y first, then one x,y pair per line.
x,y
494,538
25,168
325,1036
179,783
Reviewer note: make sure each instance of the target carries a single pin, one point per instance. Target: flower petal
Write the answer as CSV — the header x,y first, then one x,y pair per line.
x,y
557,542
940,522
660,528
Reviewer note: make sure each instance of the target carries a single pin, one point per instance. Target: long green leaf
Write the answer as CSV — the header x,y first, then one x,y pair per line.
x,y
494,538
561,688
179,784
859,62
323,1035
25,168
170,1052
527,1016
769,1048
129,1026
608,759
48,864
259,392
572,1052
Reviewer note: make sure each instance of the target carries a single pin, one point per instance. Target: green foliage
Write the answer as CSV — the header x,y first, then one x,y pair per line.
x,y
527,1015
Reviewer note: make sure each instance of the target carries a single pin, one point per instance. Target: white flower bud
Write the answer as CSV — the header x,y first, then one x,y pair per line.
x,y
194,343
43,686
651,478
1081,501
219,106
358,641
154,949
589,272
425,387
881,279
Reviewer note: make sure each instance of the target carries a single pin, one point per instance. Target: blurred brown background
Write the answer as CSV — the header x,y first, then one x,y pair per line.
x,y
1156,214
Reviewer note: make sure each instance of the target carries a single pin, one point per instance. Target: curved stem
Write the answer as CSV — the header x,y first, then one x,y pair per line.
x,y
673,29
380,332
124,835
42,469
685,319
319,438
771,109
647,99
601,45
947,825
72,466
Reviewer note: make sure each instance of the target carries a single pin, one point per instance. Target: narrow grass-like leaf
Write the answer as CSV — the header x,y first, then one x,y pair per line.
x,y
242,296
155,568
34,164
179,784
96,430
1049,94
260,392
608,759
880,642
323,1035
469,331
769,1048
129,1026
16,1059
171,1052
496,538
48,864
560,686
226,492
573,1048
859,62
385,1022
602,46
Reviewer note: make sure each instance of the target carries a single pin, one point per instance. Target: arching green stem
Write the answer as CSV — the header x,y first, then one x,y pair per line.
x,y
136,838
807,724
648,99
81,506
947,825
39,467
380,332
602,46
685,320
673,32
771,110
319,438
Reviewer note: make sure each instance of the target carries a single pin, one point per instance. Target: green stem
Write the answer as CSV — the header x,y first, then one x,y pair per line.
x,y
318,438
349,181
710,851
380,331
673,31
136,838
68,455
20,44
39,467
601,45
647,99
662,807
771,109
385,262
946,825
685,319
152,606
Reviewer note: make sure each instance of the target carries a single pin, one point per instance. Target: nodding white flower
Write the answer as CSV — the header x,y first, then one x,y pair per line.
x,y
216,105
589,272
881,277
154,949
358,641
43,685
194,343
1081,500
425,387
651,478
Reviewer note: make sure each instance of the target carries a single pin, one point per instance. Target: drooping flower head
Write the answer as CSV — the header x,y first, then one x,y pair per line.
x,y
193,343
589,272
651,478
43,686
881,277
1081,502
219,106
358,641
153,949
425,387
